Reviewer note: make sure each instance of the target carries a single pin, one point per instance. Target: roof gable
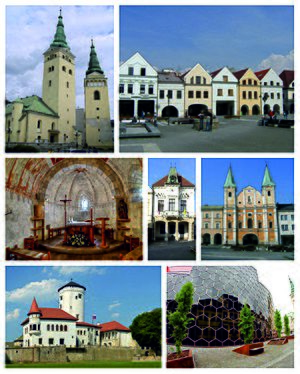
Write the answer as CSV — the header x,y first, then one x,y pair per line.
x,y
181,180
197,69
113,325
218,75
139,60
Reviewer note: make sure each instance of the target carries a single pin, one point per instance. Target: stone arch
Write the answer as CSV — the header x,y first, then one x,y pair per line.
x,y
250,239
276,109
195,109
266,109
218,239
206,239
169,111
255,110
244,110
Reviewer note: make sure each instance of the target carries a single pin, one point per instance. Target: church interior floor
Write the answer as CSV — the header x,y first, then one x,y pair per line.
x,y
59,251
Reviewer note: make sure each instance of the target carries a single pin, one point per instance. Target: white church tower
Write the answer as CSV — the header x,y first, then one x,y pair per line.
x,y
71,299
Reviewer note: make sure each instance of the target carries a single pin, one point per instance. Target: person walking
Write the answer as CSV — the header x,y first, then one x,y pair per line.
x,y
201,119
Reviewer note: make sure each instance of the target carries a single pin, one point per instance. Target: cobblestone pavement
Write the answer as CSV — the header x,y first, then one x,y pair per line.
x,y
219,253
171,250
233,135
281,356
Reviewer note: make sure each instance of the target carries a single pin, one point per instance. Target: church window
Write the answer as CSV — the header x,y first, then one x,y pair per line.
x,y
160,206
250,223
39,124
64,68
171,204
269,193
130,70
205,94
143,72
270,224
121,88
229,225
96,95
142,88
183,205
229,194
53,128
49,83
67,84
170,94
70,72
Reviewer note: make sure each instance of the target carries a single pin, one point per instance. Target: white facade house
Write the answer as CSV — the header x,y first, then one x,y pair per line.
x,y
224,92
170,94
271,91
137,87
286,223
173,208
65,325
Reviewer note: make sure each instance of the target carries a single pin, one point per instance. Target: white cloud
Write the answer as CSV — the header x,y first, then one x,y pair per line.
x,y
44,290
116,304
115,315
24,50
14,314
278,62
69,270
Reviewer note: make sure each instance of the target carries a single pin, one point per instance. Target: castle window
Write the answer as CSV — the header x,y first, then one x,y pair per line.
x,y
269,193
39,138
64,68
70,72
96,95
67,84
250,223
49,83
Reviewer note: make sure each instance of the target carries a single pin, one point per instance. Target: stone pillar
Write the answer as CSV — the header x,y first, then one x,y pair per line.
x,y
166,231
176,231
135,109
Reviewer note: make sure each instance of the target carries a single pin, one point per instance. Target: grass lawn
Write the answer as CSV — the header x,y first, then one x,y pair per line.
x,y
89,364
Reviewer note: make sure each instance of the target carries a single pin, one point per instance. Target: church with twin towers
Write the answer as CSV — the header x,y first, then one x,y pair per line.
x,y
53,118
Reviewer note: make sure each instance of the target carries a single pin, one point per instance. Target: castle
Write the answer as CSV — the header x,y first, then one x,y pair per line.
x,y
65,326
53,118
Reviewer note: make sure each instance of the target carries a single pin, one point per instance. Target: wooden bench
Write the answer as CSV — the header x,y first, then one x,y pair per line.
x,y
54,231
26,254
131,241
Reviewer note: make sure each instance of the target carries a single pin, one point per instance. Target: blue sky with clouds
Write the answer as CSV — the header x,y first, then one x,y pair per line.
x,y
246,171
29,32
236,36
113,292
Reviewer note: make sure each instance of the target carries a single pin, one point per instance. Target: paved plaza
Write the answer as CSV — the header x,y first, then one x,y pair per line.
x,y
232,135
274,356
172,250
219,253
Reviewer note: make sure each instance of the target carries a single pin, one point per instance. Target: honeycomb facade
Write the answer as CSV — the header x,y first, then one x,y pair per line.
x,y
220,293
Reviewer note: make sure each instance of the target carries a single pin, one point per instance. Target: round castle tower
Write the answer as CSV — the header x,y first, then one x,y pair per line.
x,y
71,299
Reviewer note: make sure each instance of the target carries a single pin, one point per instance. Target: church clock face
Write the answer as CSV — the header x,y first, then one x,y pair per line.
x,y
173,179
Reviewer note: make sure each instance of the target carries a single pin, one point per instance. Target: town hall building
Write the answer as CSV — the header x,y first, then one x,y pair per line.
x,y
247,217
52,117
66,324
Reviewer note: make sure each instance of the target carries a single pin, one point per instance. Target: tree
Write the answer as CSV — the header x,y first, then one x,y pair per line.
x,y
146,330
246,324
179,319
287,329
278,322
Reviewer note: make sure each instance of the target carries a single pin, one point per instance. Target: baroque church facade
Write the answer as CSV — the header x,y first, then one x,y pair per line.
x,y
171,214
66,326
247,217
52,117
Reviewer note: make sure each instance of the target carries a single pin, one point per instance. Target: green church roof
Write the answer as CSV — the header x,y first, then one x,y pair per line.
x,y
172,173
32,104
60,39
268,181
229,182
94,66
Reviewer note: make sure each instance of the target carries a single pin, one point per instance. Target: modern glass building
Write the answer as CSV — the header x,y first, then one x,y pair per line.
x,y
220,293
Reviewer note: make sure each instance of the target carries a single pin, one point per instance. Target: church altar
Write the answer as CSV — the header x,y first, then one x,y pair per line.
x,y
85,228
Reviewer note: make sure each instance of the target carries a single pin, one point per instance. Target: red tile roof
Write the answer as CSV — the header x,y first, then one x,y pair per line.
x,y
214,73
287,77
87,325
113,325
262,73
53,313
34,307
183,182
240,73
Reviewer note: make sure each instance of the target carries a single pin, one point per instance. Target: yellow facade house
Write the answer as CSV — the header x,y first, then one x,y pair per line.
x,y
198,90
249,101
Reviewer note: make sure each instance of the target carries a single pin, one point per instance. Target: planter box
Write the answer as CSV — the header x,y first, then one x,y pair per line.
x,y
250,349
186,361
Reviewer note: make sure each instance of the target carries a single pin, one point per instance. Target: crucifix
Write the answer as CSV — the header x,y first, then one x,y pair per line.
x,y
65,201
